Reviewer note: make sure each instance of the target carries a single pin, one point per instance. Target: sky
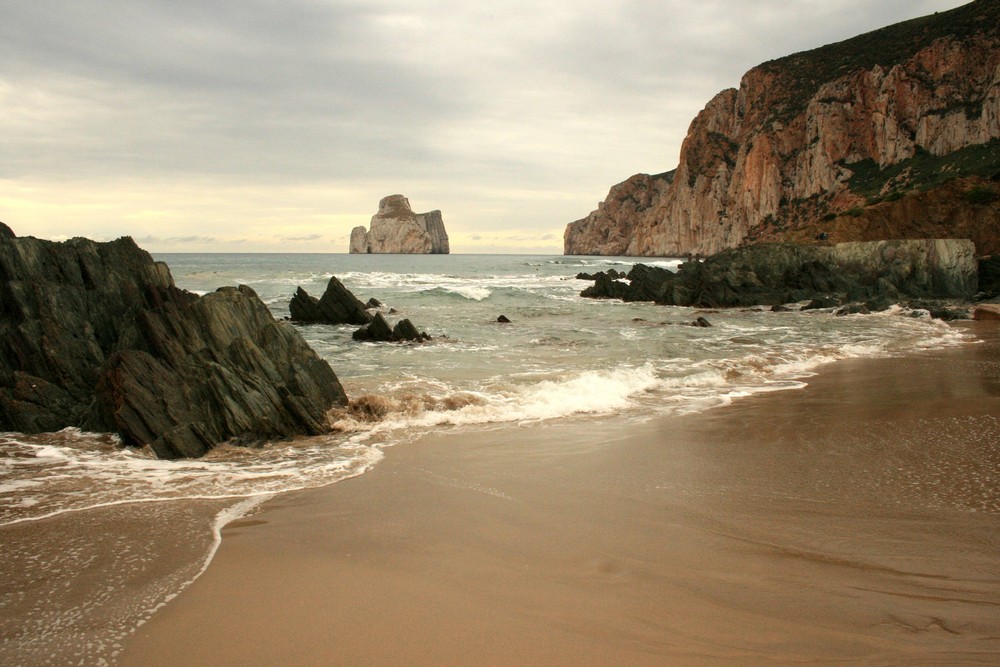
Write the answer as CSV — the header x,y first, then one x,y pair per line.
x,y
277,125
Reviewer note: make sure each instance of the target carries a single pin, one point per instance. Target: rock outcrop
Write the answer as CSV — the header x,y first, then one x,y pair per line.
x,y
863,140
881,272
379,331
96,336
397,229
338,305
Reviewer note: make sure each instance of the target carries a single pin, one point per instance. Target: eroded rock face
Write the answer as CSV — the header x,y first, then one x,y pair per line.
x,y
397,229
810,136
96,335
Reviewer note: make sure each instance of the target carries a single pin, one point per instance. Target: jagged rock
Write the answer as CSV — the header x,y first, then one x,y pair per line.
x,y
774,274
397,229
808,141
503,319
96,336
605,287
373,303
337,306
379,331
701,322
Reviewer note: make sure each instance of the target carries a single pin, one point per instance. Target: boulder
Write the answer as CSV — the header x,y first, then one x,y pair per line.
x,y
337,306
96,336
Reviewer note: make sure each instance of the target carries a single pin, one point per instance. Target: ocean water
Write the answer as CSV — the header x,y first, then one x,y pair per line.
x,y
561,357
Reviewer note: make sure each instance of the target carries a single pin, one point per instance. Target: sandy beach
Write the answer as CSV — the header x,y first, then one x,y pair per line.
x,y
856,520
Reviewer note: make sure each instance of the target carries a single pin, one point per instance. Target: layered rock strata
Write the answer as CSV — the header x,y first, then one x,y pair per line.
x,y
97,336
834,140
881,273
397,229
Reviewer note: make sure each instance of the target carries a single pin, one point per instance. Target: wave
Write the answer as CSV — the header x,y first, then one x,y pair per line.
x,y
69,471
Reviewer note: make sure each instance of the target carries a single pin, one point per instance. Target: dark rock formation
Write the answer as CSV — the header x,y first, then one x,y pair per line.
x,y
337,306
782,273
503,319
379,331
989,276
96,335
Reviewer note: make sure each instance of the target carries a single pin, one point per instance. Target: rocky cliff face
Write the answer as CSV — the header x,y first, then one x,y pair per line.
x,y
96,335
869,122
397,229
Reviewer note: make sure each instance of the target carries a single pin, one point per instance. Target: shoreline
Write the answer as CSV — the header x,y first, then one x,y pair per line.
x,y
837,522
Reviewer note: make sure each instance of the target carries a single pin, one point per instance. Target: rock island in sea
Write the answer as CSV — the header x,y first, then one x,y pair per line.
x,y
396,229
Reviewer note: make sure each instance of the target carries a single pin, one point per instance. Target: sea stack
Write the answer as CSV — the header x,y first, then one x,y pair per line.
x,y
396,229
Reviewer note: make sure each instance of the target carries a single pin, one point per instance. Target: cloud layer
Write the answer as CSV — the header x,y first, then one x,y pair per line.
x,y
277,125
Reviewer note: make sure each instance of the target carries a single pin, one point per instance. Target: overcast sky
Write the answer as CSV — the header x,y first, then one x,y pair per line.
x,y
277,125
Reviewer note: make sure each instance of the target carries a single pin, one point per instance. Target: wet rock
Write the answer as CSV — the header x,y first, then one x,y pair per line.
x,y
503,319
774,274
96,336
373,303
337,306
379,331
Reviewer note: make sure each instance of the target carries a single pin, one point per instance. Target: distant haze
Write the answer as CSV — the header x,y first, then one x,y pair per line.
x,y
259,126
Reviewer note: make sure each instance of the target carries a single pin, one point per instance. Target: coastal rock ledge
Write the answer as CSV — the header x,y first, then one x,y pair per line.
x,y
397,229
97,336
878,273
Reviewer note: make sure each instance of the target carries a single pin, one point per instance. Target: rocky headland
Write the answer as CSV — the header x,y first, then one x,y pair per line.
x,y
97,336
892,134
397,229
870,275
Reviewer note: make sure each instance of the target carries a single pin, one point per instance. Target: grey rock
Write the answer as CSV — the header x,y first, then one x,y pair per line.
x,y
96,335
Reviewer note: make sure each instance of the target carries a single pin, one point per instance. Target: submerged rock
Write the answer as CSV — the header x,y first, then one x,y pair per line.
x,y
96,336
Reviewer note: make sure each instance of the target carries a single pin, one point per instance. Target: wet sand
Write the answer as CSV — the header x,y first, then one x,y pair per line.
x,y
857,520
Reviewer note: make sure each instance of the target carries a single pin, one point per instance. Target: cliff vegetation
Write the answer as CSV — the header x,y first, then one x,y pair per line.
x,y
891,134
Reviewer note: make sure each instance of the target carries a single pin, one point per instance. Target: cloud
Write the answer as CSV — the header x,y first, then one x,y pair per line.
x,y
505,115
300,239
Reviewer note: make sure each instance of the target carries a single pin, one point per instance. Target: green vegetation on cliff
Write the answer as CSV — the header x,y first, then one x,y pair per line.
x,y
924,171
805,72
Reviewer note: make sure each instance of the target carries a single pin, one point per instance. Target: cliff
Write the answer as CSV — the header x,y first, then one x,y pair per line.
x,y
96,336
397,229
895,133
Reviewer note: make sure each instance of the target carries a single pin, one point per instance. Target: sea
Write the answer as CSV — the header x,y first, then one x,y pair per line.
x,y
94,537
